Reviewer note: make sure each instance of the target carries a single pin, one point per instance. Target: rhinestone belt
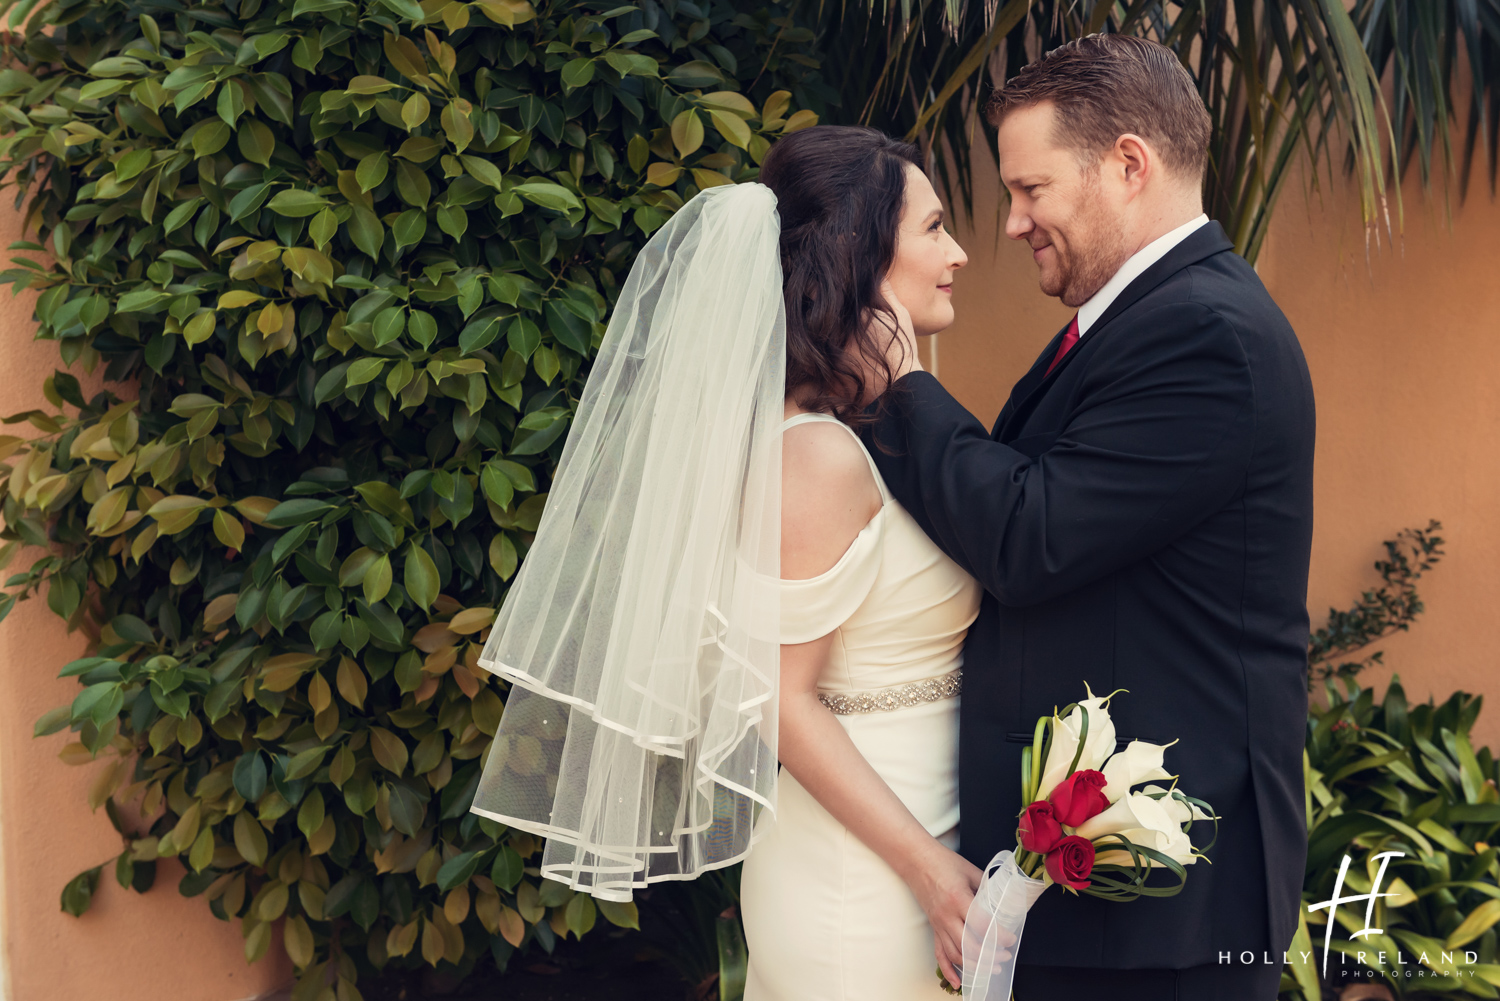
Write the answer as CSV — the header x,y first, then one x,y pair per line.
x,y
898,697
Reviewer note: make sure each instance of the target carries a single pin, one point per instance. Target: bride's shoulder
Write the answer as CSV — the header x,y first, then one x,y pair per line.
x,y
828,496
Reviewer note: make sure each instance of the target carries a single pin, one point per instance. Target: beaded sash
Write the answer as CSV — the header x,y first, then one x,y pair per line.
x,y
883,700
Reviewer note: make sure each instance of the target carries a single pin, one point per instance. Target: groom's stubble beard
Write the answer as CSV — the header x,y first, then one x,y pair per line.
x,y
1093,252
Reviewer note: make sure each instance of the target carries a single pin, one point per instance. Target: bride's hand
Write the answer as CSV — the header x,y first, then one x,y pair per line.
x,y
902,350
944,885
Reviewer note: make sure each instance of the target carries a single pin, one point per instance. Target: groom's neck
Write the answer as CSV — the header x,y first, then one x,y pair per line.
x,y
1160,216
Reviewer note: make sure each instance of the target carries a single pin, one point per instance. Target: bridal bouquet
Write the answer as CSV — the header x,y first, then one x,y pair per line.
x,y
1083,826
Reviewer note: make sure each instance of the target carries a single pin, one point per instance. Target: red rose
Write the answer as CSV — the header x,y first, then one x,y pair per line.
x,y
1039,829
1079,797
1071,861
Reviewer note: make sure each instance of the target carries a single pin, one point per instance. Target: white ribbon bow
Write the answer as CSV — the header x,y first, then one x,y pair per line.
x,y
992,928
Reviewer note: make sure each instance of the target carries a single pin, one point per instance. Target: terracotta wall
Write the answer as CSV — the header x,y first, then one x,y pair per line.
x,y
1405,359
159,946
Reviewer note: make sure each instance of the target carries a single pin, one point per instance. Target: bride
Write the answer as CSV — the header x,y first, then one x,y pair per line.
x,y
721,581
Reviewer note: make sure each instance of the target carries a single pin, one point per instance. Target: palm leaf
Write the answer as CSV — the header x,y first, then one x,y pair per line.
x,y
1281,80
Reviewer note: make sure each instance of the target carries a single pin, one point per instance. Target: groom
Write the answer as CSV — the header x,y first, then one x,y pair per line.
x,y
1140,518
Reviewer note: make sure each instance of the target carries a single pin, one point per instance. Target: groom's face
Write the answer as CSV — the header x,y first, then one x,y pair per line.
x,y
1059,206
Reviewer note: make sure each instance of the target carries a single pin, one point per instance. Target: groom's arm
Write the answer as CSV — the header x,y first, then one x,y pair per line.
x,y
1159,440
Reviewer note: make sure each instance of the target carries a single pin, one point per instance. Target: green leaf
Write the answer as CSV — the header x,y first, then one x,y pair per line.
x,y
117,66
355,566
369,85
52,721
414,111
296,511
478,335
78,894
452,220
366,231
577,72
687,132
580,914
312,812
389,323
422,326
731,127
458,870
256,140
389,750
97,703
250,776
622,914
323,228
132,163
548,196
696,74
377,580
408,810
201,855
1479,920
407,9
457,126
496,485
305,763
372,170
250,839
483,171
296,204
387,500
506,871
420,577
410,227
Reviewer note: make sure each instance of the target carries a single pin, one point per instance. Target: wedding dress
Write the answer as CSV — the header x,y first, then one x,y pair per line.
x,y
826,919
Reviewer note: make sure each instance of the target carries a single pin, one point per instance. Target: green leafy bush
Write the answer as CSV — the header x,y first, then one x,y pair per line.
x,y
1391,776
1380,612
343,264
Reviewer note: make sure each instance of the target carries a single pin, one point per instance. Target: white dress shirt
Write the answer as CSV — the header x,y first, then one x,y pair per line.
x,y
1089,312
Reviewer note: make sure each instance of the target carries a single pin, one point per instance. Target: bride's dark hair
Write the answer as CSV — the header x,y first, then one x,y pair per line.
x,y
839,191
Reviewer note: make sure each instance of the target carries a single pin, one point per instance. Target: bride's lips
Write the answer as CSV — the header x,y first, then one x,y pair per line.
x,y
946,288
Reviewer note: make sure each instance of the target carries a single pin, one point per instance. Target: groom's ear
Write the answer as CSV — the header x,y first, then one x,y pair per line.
x,y
1135,162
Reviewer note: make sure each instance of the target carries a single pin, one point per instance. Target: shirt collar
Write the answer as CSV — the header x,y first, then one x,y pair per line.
x,y
1089,312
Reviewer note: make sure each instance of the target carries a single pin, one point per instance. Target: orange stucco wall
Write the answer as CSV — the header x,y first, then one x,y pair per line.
x,y
1405,359
158,946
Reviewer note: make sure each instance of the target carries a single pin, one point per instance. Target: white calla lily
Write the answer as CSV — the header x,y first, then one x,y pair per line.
x,y
1178,810
1136,811
1098,745
1174,844
1139,762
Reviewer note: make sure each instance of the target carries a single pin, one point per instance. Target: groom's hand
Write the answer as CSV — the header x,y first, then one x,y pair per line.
x,y
901,350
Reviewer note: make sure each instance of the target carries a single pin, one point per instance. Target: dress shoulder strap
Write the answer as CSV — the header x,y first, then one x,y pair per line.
x,y
810,418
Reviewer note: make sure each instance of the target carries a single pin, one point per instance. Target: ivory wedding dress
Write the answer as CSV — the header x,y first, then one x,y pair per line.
x,y
826,919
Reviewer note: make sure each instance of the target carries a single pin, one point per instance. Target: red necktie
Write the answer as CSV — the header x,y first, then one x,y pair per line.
x,y
1070,338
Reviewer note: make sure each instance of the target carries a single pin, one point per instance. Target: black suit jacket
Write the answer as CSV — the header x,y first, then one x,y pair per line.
x,y
1141,518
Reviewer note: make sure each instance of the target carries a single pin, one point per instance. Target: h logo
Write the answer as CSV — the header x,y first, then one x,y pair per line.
x,y
1384,858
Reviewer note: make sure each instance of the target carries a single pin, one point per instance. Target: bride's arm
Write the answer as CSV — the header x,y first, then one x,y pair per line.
x,y
828,497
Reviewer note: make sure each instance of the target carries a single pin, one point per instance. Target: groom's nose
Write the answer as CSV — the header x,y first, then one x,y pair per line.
x,y
1018,224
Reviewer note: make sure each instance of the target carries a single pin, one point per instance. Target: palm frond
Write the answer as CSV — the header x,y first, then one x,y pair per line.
x,y
1279,79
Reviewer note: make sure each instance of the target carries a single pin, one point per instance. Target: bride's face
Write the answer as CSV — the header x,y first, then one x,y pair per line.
x,y
926,258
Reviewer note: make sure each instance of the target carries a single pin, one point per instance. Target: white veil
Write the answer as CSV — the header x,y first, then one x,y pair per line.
x,y
641,636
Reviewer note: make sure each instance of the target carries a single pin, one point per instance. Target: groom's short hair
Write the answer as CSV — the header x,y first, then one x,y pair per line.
x,y
1103,86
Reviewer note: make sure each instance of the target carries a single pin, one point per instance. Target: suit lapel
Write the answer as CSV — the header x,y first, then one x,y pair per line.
x,y
1028,384
1206,241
